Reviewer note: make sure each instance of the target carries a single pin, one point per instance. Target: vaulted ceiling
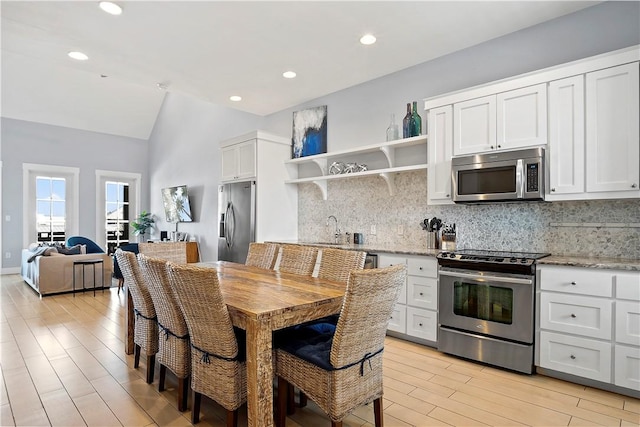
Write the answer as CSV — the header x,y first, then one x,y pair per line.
x,y
211,50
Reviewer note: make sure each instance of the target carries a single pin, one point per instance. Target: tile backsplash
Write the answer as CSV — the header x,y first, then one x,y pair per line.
x,y
558,227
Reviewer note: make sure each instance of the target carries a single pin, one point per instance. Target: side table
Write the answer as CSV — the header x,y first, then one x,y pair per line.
x,y
84,263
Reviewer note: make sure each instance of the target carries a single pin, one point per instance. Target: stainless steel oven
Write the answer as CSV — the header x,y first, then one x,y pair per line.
x,y
486,307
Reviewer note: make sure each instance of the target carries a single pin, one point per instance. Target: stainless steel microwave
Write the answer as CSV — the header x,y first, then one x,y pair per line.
x,y
504,176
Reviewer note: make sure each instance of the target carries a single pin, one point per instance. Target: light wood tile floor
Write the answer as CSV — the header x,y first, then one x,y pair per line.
x,y
62,363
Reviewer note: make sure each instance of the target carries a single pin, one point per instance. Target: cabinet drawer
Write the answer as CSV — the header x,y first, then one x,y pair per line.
x,y
574,314
389,260
422,266
628,286
627,367
577,356
575,280
628,322
398,322
422,323
422,292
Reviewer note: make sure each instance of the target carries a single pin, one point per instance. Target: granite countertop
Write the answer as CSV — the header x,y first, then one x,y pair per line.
x,y
412,249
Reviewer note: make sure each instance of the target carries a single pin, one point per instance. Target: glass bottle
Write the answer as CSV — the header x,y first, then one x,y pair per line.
x,y
415,124
406,130
392,130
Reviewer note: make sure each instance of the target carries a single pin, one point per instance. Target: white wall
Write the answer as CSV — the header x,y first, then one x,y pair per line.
x,y
28,142
184,149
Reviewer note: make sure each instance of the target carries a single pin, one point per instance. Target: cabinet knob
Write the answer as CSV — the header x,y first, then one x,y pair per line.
x,y
448,195
491,147
421,293
553,190
420,268
573,283
573,316
572,357
419,324
499,146
634,185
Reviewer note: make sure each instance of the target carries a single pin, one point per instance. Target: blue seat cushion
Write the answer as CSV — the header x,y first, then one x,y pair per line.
x,y
130,247
310,342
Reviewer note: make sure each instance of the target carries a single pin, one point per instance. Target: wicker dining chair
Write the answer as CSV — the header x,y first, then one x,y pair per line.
x,y
337,264
298,259
262,255
145,335
342,370
174,347
218,355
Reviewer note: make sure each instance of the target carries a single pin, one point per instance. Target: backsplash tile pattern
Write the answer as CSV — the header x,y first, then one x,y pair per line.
x,y
359,203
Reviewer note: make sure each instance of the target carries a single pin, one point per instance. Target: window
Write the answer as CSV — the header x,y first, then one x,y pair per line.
x,y
50,203
117,214
50,209
117,204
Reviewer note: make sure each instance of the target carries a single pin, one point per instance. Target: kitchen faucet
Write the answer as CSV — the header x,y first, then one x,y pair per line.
x,y
337,232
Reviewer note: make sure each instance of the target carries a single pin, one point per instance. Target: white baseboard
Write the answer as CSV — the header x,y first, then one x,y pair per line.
x,y
10,270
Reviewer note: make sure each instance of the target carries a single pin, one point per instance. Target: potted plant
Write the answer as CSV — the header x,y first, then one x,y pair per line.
x,y
143,223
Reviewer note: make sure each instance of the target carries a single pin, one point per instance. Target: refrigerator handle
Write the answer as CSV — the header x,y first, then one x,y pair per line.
x,y
226,224
232,225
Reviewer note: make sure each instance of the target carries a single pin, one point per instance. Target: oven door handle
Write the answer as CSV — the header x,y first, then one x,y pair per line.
x,y
483,278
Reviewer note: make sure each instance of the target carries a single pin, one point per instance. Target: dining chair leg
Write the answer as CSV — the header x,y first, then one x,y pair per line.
x,y
232,418
136,356
183,393
336,423
291,403
377,411
195,411
303,399
120,283
283,407
162,375
151,365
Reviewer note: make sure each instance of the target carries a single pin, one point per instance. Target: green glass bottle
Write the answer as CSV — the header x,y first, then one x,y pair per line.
x,y
415,123
406,123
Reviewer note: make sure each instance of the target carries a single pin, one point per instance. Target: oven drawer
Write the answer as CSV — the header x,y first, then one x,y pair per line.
x,y
577,356
422,323
422,266
422,292
398,322
587,316
576,280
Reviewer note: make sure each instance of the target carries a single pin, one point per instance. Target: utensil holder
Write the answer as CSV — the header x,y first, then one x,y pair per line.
x,y
432,240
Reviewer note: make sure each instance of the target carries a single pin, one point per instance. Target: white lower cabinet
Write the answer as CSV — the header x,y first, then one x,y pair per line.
x,y
589,323
415,313
627,371
574,355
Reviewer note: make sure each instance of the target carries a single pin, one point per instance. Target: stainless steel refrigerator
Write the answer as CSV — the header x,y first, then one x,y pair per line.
x,y
236,220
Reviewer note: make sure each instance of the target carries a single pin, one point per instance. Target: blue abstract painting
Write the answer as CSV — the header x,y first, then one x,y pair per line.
x,y
309,132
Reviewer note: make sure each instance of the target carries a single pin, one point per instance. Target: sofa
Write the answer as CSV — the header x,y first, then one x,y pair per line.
x,y
53,273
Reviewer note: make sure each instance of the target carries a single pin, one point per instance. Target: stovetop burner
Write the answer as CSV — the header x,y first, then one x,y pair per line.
x,y
479,258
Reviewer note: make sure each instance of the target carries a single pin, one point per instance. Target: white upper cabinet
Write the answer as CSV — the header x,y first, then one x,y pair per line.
x,y
612,137
440,153
522,117
239,161
475,125
507,120
566,137
594,144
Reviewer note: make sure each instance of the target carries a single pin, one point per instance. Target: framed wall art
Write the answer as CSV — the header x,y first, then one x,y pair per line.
x,y
309,132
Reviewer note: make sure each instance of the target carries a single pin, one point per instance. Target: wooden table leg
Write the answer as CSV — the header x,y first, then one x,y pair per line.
x,y
259,374
130,321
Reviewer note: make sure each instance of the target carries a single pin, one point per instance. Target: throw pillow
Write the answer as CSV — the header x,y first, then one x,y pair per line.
x,y
74,250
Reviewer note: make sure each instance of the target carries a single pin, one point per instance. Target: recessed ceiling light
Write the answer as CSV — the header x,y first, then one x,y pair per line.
x,y
235,98
289,74
110,7
78,55
368,39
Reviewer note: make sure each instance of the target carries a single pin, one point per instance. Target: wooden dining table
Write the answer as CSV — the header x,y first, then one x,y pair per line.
x,y
261,301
